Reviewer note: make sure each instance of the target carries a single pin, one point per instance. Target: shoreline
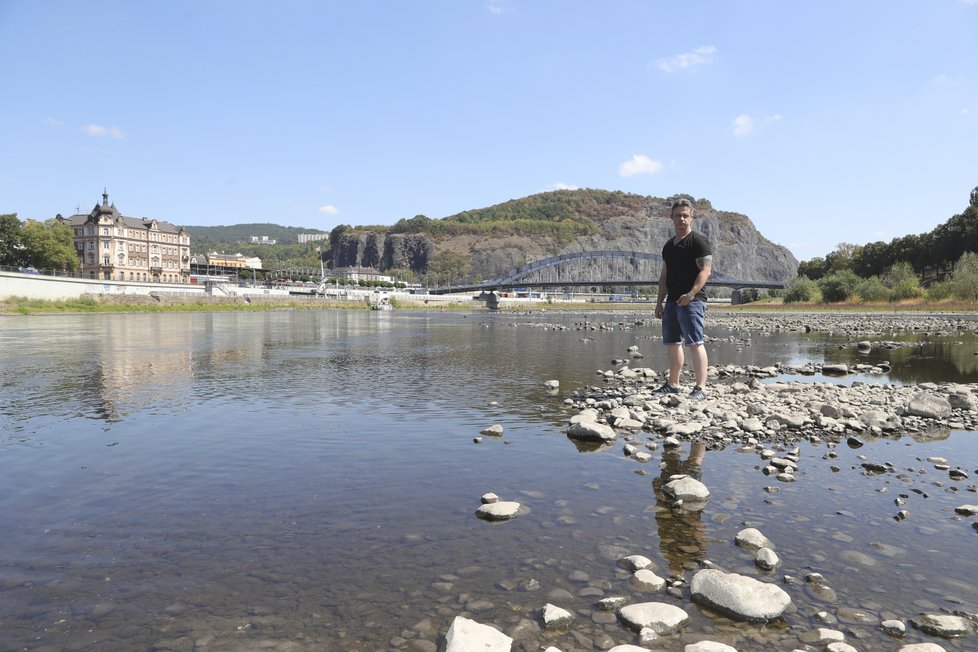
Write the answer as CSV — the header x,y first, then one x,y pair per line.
x,y
17,305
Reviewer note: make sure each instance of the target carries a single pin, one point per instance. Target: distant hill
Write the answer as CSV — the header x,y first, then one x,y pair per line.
x,y
487,242
242,233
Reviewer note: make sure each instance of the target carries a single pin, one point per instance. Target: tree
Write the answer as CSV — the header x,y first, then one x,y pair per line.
x,y
49,245
802,289
448,267
814,269
902,281
965,279
872,289
11,241
838,286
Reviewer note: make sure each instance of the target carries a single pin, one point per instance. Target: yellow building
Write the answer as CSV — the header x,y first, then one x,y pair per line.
x,y
114,247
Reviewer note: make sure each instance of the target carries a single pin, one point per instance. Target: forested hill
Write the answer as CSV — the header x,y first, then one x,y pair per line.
x,y
242,233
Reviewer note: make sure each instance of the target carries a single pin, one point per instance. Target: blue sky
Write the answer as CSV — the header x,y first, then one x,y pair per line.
x,y
824,121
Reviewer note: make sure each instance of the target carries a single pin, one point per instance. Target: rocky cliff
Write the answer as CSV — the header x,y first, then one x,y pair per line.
x,y
610,221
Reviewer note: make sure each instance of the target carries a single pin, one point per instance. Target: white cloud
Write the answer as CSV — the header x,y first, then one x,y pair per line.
x,y
54,122
969,2
701,56
98,131
744,124
563,186
329,209
639,164
495,8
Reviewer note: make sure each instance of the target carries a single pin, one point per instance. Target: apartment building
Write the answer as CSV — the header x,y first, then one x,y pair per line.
x,y
114,247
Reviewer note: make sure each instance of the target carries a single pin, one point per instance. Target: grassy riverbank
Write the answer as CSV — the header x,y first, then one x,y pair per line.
x,y
138,304
144,304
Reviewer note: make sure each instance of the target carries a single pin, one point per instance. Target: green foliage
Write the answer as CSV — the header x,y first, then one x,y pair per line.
x,y
50,246
448,266
872,290
939,291
814,269
935,249
44,245
965,279
10,240
838,286
902,281
802,290
749,295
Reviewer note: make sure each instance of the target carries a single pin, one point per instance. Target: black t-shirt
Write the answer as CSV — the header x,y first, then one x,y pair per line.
x,y
681,267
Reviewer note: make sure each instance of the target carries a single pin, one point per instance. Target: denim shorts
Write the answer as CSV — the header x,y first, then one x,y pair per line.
x,y
683,323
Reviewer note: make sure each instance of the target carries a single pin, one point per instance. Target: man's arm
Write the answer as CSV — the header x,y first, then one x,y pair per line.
x,y
706,268
662,291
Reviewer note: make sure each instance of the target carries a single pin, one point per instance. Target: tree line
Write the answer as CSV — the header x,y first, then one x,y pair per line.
x,y
937,265
44,245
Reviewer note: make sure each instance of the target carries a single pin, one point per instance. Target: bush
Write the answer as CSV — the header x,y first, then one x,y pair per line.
x,y
838,286
872,289
942,290
965,279
902,281
802,290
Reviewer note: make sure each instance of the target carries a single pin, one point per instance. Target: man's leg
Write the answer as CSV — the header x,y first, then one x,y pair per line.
x,y
697,353
676,359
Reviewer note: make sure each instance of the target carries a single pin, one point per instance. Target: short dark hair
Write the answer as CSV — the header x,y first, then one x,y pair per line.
x,y
681,202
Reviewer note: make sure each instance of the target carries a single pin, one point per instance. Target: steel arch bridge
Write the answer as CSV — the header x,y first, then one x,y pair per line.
x,y
592,268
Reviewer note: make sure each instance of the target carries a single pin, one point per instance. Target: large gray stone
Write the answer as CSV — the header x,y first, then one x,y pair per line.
x,y
467,635
944,625
591,431
687,488
929,406
555,617
751,539
502,510
738,596
658,616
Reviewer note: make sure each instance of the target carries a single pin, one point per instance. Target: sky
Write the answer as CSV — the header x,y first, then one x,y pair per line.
x,y
824,121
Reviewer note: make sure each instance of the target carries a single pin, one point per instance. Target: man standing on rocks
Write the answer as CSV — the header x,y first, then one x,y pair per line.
x,y
687,262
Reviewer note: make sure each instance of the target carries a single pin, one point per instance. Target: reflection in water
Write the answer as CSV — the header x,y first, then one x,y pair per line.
x,y
681,532
309,480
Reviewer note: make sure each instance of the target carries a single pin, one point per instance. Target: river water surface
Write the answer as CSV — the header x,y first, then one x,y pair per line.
x,y
308,481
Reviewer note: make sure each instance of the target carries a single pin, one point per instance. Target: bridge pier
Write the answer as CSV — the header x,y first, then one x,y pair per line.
x,y
492,301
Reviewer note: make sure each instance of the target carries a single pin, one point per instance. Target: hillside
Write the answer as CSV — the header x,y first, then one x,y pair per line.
x,y
487,242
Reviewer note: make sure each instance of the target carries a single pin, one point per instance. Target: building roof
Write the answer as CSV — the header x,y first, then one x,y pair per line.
x,y
110,211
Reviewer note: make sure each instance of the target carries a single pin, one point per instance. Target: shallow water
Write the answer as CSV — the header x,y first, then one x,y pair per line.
x,y
308,481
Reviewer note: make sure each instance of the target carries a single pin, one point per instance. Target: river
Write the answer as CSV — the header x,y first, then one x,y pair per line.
x,y
308,481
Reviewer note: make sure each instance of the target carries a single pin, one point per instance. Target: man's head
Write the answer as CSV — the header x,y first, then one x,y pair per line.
x,y
679,204
682,216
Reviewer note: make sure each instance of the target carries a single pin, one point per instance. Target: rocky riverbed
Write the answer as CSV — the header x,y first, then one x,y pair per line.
x,y
767,413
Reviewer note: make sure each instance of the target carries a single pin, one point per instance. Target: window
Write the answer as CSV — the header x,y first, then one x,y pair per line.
x,y
105,231
91,245
105,260
130,247
105,245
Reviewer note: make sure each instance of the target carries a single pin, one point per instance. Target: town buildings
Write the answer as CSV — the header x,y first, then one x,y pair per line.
x,y
114,247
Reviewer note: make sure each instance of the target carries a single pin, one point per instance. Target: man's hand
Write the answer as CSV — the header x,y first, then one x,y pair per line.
x,y
658,311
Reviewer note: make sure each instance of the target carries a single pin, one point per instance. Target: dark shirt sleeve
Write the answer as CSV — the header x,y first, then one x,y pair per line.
x,y
703,247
